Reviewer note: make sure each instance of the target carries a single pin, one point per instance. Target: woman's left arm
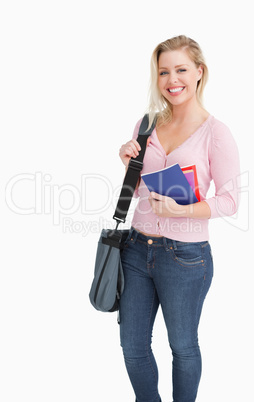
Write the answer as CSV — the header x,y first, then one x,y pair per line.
x,y
225,172
168,208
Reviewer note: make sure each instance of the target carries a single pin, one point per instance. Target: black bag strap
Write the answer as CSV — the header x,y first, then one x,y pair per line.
x,y
133,172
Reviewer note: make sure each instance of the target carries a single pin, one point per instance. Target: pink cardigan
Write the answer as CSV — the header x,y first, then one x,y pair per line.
x,y
214,152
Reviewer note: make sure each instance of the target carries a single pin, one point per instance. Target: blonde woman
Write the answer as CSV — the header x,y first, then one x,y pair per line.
x,y
167,258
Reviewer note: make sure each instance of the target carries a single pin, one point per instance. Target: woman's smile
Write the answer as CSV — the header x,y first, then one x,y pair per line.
x,y
175,91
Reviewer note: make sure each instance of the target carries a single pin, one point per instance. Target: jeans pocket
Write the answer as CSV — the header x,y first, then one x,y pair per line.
x,y
188,254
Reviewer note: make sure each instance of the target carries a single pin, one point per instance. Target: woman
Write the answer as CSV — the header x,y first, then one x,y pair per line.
x,y
167,258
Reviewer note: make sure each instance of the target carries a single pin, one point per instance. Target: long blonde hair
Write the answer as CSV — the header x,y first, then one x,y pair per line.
x,y
157,103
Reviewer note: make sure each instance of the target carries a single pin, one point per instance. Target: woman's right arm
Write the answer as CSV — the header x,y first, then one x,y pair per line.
x,y
129,150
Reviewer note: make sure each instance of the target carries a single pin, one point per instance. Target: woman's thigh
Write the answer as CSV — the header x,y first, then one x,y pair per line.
x,y
139,302
182,282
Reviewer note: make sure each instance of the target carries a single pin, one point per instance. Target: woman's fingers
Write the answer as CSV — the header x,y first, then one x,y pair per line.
x,y
133,148
135,142
130,149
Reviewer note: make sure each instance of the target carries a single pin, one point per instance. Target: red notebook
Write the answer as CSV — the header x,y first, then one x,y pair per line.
x,y
190,173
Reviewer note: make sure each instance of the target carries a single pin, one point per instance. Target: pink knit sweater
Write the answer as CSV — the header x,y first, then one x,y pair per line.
x,y
214,152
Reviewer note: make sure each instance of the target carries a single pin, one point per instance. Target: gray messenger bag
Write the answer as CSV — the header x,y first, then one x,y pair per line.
x,y
108,282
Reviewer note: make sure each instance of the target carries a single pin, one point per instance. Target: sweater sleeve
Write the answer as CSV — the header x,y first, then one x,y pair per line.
x,y
225,172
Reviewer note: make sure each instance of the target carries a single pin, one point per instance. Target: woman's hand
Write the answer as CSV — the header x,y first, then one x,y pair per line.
x,y
165,206
129,150
168,208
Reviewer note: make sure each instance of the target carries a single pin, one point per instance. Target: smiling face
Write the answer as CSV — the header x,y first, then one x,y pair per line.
x,y
178,76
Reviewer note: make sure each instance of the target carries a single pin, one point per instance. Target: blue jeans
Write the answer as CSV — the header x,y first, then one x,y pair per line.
x,y
177,276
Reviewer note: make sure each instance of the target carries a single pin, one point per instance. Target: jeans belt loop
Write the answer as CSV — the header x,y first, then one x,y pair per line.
x,y
133,235
166,243
174,244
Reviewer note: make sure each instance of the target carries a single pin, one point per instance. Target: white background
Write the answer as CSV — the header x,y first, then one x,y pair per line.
x,y
74,81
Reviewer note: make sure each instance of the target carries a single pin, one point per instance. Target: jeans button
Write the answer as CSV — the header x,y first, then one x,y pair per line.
x,y
150,241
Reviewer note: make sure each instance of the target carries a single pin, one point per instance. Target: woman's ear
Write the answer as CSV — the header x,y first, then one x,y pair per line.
x,y
200,72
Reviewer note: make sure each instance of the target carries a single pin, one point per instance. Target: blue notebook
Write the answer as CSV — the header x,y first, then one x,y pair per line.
x,y
171,182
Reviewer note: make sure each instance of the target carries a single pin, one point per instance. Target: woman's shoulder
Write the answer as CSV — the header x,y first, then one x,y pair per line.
x,y
220,133
136,129
217,126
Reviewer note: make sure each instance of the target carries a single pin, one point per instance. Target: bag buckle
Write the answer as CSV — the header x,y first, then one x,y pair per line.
x,y
136,165
118,220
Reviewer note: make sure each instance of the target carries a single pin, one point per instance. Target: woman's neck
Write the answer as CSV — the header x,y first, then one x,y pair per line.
x,y
189,111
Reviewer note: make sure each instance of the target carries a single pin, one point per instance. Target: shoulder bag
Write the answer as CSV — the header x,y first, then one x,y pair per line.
x,y
108,282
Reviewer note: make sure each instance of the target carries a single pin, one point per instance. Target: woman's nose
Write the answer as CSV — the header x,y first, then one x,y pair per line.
x,y
172,79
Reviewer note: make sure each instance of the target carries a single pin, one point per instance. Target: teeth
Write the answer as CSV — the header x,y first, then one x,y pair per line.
x,y
176,89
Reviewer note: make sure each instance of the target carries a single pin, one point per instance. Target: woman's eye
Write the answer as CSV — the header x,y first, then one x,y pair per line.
x,y
163,73
181,70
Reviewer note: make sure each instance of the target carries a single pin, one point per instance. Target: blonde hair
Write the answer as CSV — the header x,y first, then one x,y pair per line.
x,y
157,103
